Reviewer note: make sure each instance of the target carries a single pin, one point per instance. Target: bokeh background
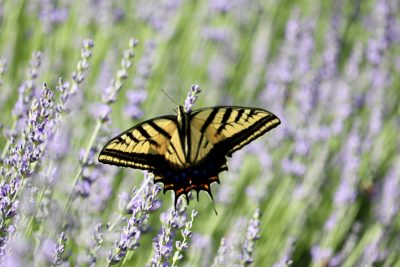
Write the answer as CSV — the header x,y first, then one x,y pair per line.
x,y
322,189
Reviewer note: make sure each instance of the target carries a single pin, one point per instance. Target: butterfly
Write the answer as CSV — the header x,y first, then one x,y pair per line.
x,y
187,151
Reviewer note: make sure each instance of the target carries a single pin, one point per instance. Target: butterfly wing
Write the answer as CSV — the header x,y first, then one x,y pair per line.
x,y
222,130
151,145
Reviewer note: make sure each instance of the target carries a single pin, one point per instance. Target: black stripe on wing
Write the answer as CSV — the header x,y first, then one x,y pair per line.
x,y
250,123
128,148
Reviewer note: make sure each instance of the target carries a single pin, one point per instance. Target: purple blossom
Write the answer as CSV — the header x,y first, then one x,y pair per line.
x,y
217,35
220,259
233,246
192,97
320,255
101,112
293,167
142,203
135,98
201,243
110,92
389,195
222,6
186,235
172,220
252,235
51,16
346,192
27,91
78,76
59,249
158,18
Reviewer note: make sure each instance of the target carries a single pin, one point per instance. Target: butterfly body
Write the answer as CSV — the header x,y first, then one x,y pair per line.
x,y
187,151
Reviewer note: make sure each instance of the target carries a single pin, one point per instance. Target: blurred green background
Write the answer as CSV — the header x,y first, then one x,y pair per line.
x,y
328,69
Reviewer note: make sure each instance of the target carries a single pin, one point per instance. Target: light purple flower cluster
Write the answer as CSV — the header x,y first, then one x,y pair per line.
x,y
192,97
139,94
21,159
172,220
26,94
109,94
158,18
186,235
252,235
142,203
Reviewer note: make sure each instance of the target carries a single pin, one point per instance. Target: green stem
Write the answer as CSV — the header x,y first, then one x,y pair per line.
x,y
29,227
78,174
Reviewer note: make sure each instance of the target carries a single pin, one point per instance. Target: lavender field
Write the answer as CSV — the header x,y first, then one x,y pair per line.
x,y
322,189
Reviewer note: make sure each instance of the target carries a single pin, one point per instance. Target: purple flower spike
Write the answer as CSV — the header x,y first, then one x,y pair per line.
x,y
192,97
109,94
183,245
101,112
135,98
252,235
163,243
142,203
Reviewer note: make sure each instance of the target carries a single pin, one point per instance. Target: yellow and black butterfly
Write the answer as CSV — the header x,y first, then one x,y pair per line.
x,y
187,151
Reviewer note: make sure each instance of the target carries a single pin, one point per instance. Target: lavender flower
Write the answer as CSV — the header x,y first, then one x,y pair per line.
x,y
252,236
97,238
140,206
144,66
59,249
163,243
389,195
192,97
158,18
51,16
320,255
183,245
220,259
203,243
26,94
110,93
232,247
135,98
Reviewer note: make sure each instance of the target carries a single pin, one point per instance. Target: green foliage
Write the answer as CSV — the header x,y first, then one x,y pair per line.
x,y
237,56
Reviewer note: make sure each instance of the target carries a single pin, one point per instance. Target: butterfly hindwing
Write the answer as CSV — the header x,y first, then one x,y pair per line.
x,y
146,146
223,130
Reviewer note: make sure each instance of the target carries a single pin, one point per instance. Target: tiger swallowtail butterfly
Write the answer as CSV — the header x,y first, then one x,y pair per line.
x,y
187,151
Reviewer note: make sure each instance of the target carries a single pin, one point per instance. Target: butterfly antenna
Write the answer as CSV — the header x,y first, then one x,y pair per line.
x,y
170,98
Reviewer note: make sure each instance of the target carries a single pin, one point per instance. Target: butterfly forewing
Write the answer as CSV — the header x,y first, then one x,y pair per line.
x,y
145,146
224,130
